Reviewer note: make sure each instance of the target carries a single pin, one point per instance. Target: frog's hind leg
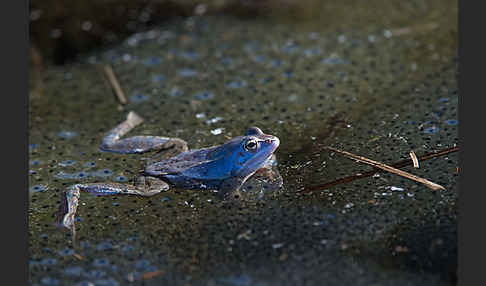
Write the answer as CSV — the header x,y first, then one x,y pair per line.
x,y
137,144
144,186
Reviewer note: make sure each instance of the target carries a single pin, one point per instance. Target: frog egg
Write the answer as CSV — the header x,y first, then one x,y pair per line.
x,y
275,63
250,47
102,173
152,61
95,273
444,99
258,58
73,271
107,282
315,51
187,72
67,163
38,188
84,283
67,134
32,147
81,175
287,74
34,162
228,62
236,84
289,48
89,164
139,97
191,56
66,252
120,178
127,248
333,60
104,246
175,92
85,244
142,264
101,262
49,281
431,130
158,78
202,95
451,122
236,280
48,261
65,175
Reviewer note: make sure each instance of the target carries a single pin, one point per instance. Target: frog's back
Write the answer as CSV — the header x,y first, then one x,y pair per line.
x,y
180,163
194,169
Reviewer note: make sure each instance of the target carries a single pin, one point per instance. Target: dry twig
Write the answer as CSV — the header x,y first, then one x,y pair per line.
x,y
110,75
399,164
390,169
152,274
414,159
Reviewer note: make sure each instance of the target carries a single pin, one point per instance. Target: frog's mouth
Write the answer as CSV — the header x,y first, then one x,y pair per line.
x,y
268,146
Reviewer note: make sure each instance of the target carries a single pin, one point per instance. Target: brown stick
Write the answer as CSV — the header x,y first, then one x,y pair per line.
x,y
114,84
399,164
152,274
390,169
414,159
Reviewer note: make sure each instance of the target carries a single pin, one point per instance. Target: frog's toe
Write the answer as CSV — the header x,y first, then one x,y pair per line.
x,y
134,118
67,222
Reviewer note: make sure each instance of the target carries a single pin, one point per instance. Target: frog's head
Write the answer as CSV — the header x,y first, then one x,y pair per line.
x,y
251,151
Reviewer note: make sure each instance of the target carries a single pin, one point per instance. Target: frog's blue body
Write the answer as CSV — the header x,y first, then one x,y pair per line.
x,y
223,168
210,167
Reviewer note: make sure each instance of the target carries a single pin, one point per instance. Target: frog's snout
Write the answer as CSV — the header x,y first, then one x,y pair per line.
x,y
276,141
272,141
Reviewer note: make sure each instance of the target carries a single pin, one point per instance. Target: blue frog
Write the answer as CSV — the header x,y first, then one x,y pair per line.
x,y
224,168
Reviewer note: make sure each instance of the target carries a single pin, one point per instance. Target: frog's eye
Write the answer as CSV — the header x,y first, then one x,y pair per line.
x,y
251,145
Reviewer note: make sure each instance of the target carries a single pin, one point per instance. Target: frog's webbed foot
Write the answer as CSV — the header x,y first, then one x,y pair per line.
x,y
150,186
137,144
229,188
269,175
264,181
144,186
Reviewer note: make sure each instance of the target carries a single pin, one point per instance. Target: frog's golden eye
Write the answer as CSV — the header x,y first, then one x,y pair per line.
x,y
251,145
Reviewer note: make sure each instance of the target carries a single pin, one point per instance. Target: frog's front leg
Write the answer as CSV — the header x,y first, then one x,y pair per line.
x,y
144,186
265,180
137,144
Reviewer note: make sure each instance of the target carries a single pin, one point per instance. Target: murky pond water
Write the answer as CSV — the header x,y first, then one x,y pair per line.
x,y
379,92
